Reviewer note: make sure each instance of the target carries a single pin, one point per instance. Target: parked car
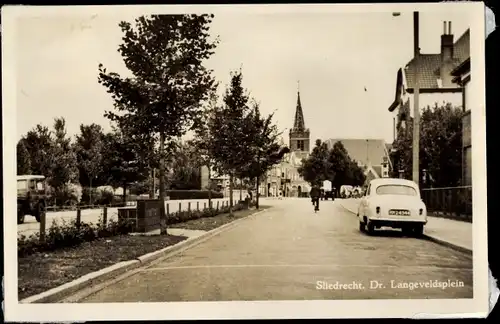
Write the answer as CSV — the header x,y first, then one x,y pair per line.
x,y
392,202
31,197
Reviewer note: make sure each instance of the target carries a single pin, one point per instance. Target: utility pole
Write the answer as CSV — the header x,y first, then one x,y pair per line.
x,y
416,108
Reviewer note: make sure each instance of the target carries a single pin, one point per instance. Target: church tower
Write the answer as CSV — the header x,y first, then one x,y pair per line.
x,y
299,135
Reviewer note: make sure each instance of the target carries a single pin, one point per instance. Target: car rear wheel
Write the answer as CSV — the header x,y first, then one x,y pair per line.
x,y
361,226
370,227
418,230
407,230
20,214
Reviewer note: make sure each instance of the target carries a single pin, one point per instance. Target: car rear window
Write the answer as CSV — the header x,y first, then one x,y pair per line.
x,y
396,190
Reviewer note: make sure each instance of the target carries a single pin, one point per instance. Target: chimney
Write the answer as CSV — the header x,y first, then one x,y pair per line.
x,y
445,79
446,42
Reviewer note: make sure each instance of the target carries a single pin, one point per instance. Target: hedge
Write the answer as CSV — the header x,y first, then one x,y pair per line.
x,y
68,234
192,194
185,215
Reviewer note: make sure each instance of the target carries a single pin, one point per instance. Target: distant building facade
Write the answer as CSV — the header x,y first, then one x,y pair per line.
x,y
284,176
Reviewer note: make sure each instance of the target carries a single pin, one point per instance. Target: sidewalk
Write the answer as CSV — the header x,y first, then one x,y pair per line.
x,y
457,234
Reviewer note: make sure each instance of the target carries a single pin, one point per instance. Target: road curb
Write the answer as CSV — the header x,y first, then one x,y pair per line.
x,y
55,294
59,293
435,239
347,209
443,242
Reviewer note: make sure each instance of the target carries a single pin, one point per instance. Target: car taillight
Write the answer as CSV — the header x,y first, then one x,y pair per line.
x,y
378,210
421,211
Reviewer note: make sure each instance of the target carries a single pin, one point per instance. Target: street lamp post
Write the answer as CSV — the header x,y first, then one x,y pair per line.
x,y
416,94
416,108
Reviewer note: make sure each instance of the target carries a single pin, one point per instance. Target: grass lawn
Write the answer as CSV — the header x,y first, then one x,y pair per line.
x,y
210,223
40,272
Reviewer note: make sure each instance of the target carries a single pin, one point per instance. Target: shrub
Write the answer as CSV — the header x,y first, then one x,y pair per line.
x,y
192,194
69,234
185,216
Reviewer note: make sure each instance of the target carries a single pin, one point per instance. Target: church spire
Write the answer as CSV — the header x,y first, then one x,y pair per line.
x,y
298,123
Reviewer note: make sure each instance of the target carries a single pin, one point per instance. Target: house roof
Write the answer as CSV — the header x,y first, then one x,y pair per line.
x,y
428,64
365,151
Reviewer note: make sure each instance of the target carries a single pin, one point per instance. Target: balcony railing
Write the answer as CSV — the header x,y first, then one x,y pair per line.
x,y
450,202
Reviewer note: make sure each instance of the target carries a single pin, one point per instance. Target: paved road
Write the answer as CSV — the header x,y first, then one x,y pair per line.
x,y
31,226
291,253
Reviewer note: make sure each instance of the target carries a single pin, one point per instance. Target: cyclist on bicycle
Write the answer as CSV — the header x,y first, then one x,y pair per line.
x,y
315,196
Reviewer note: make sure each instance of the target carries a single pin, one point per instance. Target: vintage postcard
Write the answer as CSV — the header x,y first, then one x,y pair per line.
x,y
244,161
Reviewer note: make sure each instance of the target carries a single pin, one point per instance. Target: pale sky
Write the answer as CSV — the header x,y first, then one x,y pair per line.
x,y
335,56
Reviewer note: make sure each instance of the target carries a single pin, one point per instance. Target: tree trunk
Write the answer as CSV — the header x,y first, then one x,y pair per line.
x,y
163,216
152,189
241,189
231,185
124,194
257,195
209,188
90,192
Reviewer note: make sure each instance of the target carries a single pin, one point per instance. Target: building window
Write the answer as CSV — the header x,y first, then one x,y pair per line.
x,y
300,145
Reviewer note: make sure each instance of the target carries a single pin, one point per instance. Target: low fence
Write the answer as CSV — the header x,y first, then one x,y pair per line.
x,y
449,202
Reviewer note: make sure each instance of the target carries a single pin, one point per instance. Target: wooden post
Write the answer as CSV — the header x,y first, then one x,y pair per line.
x,y
197,206
105,216
78,217
168,210
217,205
180,207
189,208
43,219
204,205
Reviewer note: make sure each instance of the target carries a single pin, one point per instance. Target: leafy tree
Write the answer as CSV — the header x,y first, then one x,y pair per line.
x,y
165,54
227,144
334,165
23,158
344,170
89,148
123,163
317,167
185,168
261,146
356,175
40,145
440,145
64,163
202,138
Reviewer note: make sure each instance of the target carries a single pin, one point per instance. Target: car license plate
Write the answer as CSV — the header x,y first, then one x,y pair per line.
x,y
399,212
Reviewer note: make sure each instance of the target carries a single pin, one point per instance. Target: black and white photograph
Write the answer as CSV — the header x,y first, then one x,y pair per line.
x,y
244,161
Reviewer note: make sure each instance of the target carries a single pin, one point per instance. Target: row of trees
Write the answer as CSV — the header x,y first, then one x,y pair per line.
x,y
96,158
440,146
171,93
333,164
